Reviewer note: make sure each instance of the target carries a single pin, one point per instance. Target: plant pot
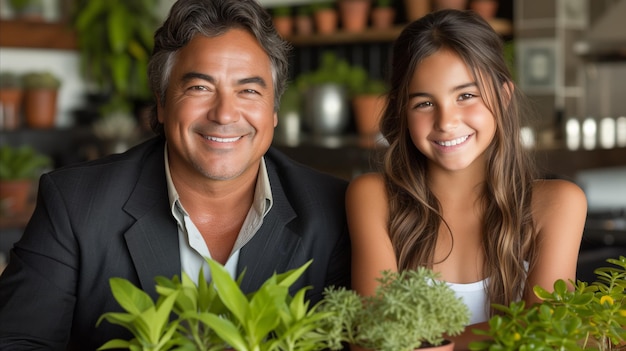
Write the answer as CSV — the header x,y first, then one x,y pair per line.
x,y
326,21
487,9
284,25
326,110
354,14
304,25
40,107
11,102
14,196
383,17
449,4
367,112
446,346
416,9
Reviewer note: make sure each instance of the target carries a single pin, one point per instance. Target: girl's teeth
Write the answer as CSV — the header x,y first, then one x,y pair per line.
x,y
453,142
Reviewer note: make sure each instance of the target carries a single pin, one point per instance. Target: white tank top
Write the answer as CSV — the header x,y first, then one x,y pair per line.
x,y
474,296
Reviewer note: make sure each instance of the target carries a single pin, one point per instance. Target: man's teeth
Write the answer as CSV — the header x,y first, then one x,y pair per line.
x,y
223,140
453,142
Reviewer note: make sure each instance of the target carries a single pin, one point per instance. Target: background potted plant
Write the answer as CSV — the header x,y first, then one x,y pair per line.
x,y
19,167
383,14
591,317
40,98
409,310
368,100
354,14
218,315
303,20
325,16
115,39
281,16
11,99
29,10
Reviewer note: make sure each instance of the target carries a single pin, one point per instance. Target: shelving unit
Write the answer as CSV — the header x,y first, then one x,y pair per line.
x,y
37,35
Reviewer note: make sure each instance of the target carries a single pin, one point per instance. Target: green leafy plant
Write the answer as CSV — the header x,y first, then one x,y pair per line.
x,y
339,71
410,309
281,11
218,315
40,80
22,162
115,40
10,80
383,3
590,317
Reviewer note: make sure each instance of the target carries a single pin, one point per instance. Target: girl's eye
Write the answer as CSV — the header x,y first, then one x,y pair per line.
x,y
424,104
466,96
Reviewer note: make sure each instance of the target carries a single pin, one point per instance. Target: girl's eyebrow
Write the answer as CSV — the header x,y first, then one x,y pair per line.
x,y
455,89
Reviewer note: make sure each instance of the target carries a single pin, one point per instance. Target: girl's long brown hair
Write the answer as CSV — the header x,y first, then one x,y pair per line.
x,y
414,211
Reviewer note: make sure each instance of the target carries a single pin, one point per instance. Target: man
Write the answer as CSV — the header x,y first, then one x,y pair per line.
x,y
209,185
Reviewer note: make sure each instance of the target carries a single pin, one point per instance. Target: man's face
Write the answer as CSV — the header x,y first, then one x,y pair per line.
x,y
218,113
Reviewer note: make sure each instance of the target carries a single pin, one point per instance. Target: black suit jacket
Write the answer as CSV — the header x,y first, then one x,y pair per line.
x,y
110,218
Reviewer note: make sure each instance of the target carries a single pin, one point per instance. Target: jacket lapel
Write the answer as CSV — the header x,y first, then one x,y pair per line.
x,y
272,248
153,239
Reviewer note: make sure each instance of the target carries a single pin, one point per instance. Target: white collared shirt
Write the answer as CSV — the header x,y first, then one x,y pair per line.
x,y
192,246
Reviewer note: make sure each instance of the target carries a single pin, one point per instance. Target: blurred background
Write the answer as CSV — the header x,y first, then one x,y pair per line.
x,y
73,88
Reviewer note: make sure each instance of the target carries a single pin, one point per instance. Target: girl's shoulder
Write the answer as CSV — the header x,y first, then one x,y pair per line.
x,y
557,198
367,187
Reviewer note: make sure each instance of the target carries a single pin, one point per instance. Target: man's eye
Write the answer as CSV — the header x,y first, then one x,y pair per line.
x,y
250,91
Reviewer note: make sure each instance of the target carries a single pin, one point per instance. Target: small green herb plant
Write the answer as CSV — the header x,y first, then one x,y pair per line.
x,y
218,315
590,317
23,162
410,309
40,80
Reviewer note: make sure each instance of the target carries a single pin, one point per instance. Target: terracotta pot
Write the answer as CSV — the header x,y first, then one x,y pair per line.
x,y
446,346
354,14
326,21
487,9
450,4
40,107
14,196
367,112
304,25
383,17
284,25
416,9
11,100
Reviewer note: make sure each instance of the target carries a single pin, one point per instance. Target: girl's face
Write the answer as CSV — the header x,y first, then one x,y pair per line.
x,y
447,118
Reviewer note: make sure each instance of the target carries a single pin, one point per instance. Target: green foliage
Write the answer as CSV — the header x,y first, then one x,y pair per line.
x,y
22,162
591,317
40,80
21,5
218,315
409,309
335,70
281,11
115,41
383,3
10,80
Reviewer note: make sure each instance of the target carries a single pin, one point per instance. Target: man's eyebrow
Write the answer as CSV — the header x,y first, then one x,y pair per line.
x,y
195,75
253,80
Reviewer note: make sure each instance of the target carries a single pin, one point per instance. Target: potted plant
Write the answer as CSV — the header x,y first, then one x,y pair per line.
x,y
218,315
409,310
383,14
281,16
368,100
325,16
19,166
11,99
30,10
354,14
115,39
591,317
40,98
303,20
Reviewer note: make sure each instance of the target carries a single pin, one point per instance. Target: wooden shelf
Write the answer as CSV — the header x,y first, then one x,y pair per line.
x,y
40,35
370,35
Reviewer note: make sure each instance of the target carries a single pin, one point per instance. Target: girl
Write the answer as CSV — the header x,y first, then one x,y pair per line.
x,y
457,192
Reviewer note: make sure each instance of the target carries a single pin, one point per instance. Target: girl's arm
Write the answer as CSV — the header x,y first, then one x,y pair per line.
x,y
560,210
